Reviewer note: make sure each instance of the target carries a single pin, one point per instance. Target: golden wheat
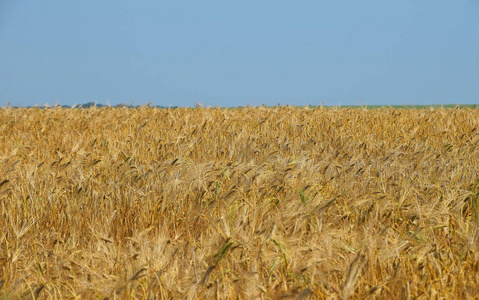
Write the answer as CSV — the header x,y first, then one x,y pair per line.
x,y
289,203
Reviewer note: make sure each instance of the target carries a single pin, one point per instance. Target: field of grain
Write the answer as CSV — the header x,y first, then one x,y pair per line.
x,y
247,203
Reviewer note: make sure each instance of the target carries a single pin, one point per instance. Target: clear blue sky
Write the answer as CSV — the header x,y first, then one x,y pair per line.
x,y
234,53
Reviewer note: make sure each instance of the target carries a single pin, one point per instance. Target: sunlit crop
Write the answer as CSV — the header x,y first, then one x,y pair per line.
x,y
247,203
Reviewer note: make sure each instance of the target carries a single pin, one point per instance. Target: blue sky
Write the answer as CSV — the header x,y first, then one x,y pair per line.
x,y
221,53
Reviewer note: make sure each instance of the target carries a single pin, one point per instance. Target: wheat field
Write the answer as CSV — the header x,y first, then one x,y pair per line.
x,y
246,203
